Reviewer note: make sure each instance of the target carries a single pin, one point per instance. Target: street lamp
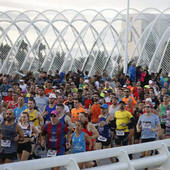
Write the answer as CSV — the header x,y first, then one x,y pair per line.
x,y
126,39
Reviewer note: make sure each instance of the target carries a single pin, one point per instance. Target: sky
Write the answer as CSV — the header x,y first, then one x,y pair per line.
x,y
60,5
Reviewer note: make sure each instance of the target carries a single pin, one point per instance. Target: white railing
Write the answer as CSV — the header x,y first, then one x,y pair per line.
x,y
70,161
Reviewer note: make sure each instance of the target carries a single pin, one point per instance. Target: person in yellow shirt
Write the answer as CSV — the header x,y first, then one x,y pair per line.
x,y
123,120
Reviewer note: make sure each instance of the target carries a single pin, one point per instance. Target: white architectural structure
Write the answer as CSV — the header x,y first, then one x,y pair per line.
x,y
89,40
70,161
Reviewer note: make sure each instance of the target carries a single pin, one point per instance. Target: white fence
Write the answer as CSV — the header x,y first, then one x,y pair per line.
x,y
70,161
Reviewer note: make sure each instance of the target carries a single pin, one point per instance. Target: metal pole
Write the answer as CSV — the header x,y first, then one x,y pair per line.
x,y
126,39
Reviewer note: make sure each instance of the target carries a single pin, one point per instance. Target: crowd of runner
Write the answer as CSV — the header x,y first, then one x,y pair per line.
x,y
71,113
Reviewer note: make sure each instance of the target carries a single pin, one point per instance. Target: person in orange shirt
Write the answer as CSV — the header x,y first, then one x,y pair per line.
x,y
49,88
76,110
127,96
95,110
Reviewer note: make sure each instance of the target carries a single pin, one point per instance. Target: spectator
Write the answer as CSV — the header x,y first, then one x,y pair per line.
x,y
132,72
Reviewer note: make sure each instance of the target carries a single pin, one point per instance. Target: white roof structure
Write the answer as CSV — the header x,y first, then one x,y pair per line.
x,y
87,40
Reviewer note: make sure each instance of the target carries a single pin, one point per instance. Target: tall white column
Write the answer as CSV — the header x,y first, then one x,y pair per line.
x,y
126,38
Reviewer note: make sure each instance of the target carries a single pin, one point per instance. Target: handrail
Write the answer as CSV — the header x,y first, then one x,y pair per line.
x,y
70,161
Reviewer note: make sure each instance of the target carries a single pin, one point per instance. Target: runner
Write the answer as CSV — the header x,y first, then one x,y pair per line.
x,y
49,108
55,132
162,116
137,113
130,109
21,107
12,105
36,118
123,120
41,100
95,110
79,139
25,148
34,115
76,110
104,128
65,119
127,95
148,124
11,134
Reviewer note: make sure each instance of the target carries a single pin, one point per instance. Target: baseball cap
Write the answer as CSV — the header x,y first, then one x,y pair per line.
x,y
110,91
23,91
54,112
104,106
57,91
86,81
146,86
86,77
150,82
105,91
21,80
115,97
103,79
52,96
149,100
122,102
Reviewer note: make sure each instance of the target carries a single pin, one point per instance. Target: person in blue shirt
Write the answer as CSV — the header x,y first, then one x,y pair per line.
x,y
5,87
24,94
79,139
132,72
148,124
21,107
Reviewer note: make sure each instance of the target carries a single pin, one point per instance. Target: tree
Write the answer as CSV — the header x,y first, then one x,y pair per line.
x,y
4,50
40,54
58,60
21,54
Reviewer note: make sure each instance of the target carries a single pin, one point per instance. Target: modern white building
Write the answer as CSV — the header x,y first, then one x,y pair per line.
x,y
90,40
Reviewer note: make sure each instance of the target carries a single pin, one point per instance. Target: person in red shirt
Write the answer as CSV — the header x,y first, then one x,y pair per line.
x,y
14,103
8,98
88,101
93,134
136,95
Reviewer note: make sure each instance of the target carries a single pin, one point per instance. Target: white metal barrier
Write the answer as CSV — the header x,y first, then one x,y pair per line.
x,y
70,161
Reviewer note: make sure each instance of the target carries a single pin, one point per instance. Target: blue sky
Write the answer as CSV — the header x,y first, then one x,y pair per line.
x,y
59,5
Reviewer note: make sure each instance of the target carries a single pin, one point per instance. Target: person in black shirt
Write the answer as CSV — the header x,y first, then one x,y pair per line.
x,y
137,113
70,102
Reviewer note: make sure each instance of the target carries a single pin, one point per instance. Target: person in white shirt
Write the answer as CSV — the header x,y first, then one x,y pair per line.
x,y
22,85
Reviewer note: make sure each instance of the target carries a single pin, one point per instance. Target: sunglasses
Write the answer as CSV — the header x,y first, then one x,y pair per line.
x,y
10,91
52,115
126,91
147,107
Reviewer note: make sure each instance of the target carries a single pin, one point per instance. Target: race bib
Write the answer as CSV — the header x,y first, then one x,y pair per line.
x,y
4,93
163,120
102,139
120,133
6,143
146,125
51,153
47,121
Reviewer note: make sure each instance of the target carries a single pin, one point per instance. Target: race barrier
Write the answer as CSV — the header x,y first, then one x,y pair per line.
x,y
70,161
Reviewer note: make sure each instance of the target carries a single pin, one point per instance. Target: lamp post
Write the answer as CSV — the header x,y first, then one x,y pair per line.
x,y
126,39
